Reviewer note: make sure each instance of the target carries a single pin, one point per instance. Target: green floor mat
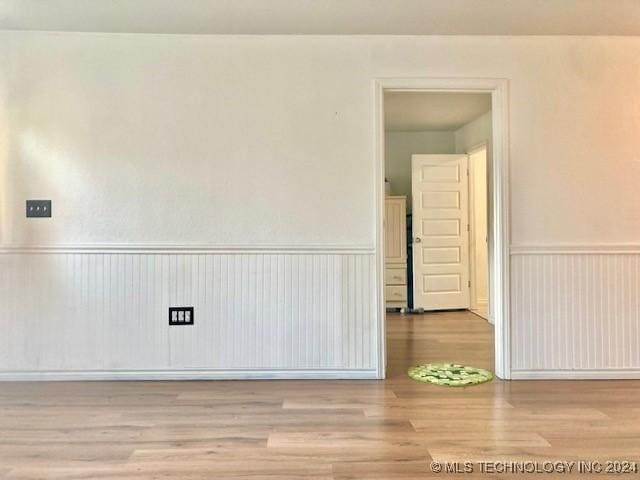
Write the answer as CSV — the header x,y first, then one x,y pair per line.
x,y
449,374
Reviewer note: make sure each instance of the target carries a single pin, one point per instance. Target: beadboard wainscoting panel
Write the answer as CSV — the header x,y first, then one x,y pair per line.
x,y
576,312
107,311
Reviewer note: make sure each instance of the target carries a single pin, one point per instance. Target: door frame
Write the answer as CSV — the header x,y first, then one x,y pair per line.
x,y
498,215
473,267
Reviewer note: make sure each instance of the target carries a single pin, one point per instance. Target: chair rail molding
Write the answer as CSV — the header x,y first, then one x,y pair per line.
x,y
185,248
576,249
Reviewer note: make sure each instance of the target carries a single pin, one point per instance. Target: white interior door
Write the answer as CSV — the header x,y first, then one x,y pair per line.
x,y
478,247
440,209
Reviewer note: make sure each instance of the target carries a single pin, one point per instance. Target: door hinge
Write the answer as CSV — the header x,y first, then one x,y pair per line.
x,y
468,228
469,283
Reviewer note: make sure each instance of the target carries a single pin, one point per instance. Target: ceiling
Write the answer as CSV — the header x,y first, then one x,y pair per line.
x,y
400,17
417,111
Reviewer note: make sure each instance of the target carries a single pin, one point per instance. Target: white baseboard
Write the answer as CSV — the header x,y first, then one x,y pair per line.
x,y
63,376
605,374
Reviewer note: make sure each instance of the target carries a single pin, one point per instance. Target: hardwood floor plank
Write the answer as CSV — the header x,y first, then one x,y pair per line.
x,y
380,470
64,454
319,440
161,471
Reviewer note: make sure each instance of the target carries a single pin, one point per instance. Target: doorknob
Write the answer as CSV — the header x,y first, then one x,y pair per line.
x,y
417,240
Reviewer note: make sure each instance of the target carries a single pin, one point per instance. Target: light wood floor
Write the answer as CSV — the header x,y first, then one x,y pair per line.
x,y
317,429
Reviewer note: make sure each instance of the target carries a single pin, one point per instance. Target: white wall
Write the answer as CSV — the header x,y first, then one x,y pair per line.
x,y
151,139
399,146
474,133
250,141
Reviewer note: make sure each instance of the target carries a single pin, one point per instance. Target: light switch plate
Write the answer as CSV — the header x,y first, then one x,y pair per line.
x,y
38,208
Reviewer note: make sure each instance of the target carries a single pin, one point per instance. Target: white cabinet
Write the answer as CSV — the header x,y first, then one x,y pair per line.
x,y
395,251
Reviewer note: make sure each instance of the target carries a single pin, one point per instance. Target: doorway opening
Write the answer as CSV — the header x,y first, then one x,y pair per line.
x,y
443,223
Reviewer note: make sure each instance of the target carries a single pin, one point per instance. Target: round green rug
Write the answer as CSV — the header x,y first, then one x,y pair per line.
x,y
449,374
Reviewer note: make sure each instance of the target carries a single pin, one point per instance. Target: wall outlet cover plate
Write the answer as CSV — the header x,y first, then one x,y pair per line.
x,y
181,316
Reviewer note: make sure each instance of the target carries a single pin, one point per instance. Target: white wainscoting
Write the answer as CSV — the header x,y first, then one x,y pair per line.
x,y
575,311
260,312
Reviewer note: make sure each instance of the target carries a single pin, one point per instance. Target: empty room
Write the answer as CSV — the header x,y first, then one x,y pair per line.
x,y
303,239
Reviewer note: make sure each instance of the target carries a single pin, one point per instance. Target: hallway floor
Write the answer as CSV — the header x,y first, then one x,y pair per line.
x,y
283,430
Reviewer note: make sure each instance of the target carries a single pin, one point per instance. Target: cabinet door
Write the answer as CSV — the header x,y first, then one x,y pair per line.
x,y
395,235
